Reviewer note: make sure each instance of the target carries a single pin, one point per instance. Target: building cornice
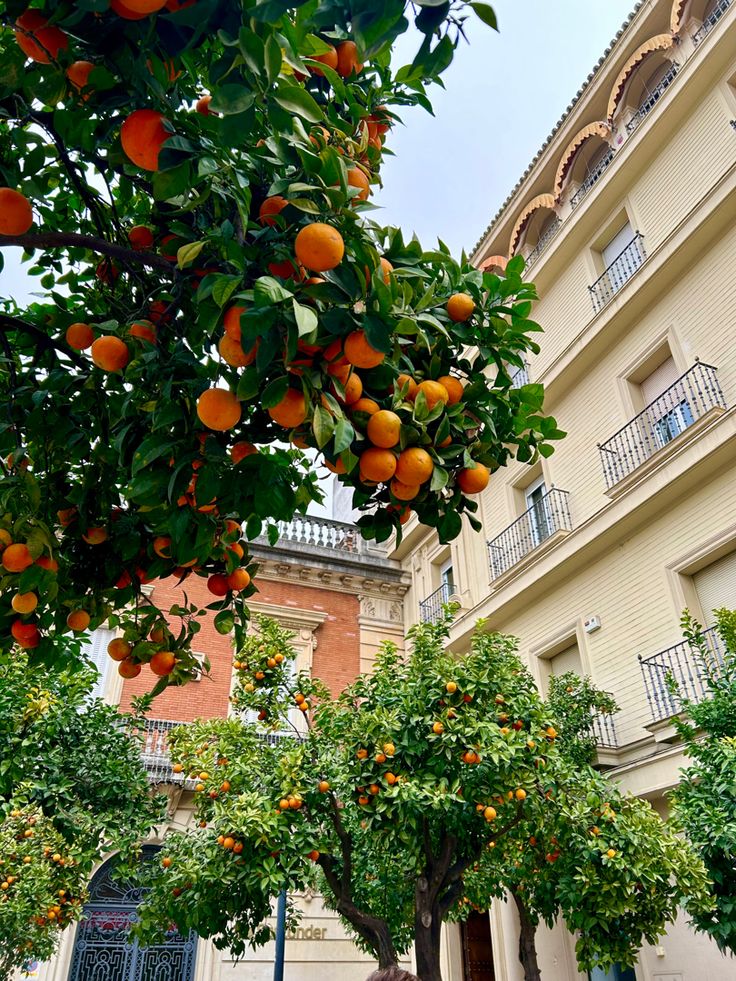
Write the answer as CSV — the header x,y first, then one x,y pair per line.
x,y
378,582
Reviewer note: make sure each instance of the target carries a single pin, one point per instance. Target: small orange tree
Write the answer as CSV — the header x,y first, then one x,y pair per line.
x,y
189,181
405,801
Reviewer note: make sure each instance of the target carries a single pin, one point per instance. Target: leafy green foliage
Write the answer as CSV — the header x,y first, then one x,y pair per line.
x,y
704,803
428,787
115,472
72,786
574,702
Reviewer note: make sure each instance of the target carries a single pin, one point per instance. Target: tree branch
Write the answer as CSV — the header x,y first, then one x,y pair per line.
x,y
43,340
51,240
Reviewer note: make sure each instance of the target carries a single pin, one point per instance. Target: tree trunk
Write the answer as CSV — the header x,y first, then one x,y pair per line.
x,y
527,941
427,933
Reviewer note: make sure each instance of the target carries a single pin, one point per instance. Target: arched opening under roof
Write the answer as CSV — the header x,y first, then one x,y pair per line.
x,y
708,13
539,231
494,264
662,42
647,85
588,167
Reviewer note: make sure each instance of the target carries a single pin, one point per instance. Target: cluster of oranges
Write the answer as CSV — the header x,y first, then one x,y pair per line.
x,y
377,772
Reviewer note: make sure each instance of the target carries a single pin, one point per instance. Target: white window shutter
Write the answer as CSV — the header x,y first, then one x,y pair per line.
x,y
94,648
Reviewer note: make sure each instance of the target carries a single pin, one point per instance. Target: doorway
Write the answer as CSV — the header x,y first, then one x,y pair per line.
x,y
103,948
477,948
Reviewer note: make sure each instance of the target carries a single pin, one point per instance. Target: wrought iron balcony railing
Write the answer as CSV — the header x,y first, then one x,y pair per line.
x,y
604,731
682,665
654,96
520,377
547,516
711,20
592,178
670,414
543,242
156,756
619,272
430,609
315,532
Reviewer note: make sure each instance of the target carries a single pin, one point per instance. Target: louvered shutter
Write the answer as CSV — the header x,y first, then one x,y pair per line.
x,y
659,381
95,649
716,587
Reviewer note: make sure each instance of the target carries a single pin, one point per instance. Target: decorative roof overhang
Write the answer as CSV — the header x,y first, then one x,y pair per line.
x,y
540,201
659,43
602,129
494,262
676,16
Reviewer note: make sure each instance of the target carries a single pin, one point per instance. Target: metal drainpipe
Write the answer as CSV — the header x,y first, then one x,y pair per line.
x,y
278,964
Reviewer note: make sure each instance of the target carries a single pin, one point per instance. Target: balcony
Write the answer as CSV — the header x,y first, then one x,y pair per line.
x,y
604,731
520,377
679,673
321,533
646,107
619,272
430,609
676,409
710,21
592,178
540,522
543,242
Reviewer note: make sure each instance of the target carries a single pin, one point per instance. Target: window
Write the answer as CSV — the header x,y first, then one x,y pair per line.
x,y
716,587
447,577
619,264
566,659
616,973
668,409
541,525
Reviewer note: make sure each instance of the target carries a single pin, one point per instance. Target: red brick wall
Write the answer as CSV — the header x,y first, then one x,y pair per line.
x,y
336,658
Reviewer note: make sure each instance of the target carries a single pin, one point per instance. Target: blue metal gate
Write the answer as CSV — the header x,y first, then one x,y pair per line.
x,y
104,950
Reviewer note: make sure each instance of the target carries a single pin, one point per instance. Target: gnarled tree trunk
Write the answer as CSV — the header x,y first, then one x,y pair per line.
x,y
427,931
527,941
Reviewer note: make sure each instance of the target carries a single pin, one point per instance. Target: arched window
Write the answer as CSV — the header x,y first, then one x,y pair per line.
x,y
709,14
647,86
589,166
103,948
539,232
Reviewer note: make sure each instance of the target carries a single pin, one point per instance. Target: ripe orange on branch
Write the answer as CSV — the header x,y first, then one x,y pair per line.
x,y
78,74
79,336
37,40
291,411
460,307
16,214
377,464
347,59
475,480
319,247
16,558
219,409
142,135
384,429
434,392
414,466
270,207
360,353
357,178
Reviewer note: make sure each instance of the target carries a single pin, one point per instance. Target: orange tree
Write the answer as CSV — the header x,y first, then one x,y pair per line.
x,y
585,852
72,786
704,803
190,181
408,799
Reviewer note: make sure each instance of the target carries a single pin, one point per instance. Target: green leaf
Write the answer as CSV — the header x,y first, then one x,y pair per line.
x,y
232,99
224,622
186,255
274,58
306,319
274,392
344,434
323,425
297,100
269,290
486,13
248,384
224,288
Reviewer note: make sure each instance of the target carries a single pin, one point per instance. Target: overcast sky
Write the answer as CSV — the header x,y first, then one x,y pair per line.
x,y
503,95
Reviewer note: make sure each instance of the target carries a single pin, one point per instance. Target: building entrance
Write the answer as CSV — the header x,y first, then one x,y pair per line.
x,y
103,948
477,948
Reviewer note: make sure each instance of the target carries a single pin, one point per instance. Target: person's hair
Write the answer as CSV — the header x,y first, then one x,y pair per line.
x,y
392,974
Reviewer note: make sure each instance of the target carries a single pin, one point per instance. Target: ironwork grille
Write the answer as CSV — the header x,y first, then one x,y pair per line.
x,y
592,178
670,414
619,272
430,609
654,96
549,514
604,731
683,664
520,377
543,242
104,949
711,20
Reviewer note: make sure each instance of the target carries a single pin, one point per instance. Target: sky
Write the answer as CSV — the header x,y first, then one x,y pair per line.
x,y
503,95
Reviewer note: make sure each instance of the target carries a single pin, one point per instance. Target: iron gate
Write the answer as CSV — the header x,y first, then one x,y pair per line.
x,y
104,950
